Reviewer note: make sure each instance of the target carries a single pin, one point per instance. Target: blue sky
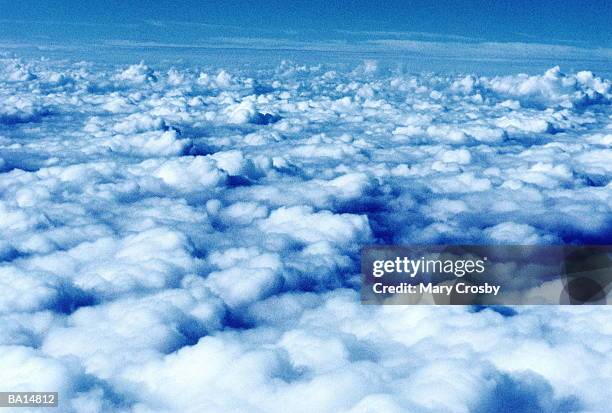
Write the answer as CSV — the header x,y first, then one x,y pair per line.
x,y
577,23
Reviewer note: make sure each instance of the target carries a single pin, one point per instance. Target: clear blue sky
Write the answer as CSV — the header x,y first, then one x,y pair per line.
x,y
570,22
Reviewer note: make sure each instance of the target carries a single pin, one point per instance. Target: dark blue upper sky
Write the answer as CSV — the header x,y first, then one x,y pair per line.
x,y
568,22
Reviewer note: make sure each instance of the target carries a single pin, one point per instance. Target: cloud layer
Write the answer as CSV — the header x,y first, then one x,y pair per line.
x,y
188,240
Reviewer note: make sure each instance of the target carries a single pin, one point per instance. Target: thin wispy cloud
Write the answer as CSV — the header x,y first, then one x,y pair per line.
x,y
409,35
429,48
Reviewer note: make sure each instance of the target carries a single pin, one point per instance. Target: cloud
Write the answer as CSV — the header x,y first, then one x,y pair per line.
x,y
184,239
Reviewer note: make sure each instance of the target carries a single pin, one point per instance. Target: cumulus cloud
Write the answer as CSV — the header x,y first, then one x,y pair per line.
x,y
304,225
138,73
